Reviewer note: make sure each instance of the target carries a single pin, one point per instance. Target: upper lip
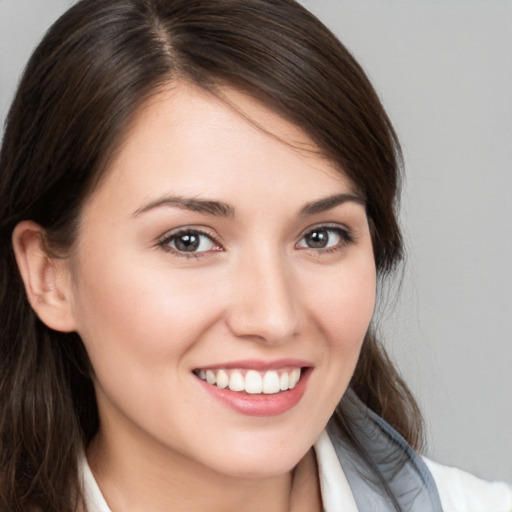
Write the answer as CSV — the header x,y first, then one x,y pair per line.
x,y
259,365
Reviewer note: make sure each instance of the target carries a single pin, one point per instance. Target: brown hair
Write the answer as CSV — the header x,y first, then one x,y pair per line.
x,y
88,76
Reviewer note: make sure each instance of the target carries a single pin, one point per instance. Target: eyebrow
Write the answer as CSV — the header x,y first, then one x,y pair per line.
x,y
220,209
327,203
216,208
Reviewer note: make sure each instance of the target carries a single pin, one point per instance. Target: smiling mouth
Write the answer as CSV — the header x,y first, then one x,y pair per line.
x,y
251,381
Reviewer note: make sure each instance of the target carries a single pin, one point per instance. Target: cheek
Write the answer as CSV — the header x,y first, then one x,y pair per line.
x,y
340,308
345,308
139,326
344,313
129,314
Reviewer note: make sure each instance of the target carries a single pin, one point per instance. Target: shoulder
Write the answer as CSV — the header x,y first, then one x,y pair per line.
x,y
462,492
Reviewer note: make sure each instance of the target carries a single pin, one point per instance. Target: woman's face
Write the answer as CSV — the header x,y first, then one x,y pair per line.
x,y
217,250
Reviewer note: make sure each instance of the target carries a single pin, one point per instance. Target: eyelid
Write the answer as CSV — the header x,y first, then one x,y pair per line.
x,y
336,226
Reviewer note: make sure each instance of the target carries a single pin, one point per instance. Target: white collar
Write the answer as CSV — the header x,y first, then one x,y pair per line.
x,y
336,493
94,500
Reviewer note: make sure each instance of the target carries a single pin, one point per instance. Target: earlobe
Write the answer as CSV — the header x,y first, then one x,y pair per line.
x,y
47,280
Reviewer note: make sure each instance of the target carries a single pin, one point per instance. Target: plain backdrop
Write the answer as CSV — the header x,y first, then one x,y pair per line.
x,y
443,70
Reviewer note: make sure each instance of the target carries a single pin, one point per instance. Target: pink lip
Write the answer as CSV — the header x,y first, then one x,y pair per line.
x,y
260,405
260,365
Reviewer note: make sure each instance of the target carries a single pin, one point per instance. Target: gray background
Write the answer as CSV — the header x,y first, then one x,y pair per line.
x,y
443,70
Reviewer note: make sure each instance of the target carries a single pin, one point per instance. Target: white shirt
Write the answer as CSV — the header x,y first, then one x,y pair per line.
x,y
459,491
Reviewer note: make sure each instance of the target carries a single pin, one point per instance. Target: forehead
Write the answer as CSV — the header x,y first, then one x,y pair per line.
x,y
196,143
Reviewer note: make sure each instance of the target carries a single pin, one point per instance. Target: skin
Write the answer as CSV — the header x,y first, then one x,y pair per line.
x,y
149,315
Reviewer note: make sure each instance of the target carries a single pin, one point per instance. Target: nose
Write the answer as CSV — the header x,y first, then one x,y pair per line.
x,y
264,303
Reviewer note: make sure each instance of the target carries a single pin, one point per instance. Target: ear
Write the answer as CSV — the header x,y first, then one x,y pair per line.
x,y
47,279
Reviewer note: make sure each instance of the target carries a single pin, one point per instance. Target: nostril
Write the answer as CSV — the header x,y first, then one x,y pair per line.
x,y
261,323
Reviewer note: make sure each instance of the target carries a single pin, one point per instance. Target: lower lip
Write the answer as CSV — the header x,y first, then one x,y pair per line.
x,y
261,404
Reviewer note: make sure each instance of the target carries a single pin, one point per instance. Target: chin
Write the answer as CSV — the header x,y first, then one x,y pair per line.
x,y
261,460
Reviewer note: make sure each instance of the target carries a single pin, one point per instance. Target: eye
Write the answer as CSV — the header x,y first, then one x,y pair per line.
x,y
189,241
325,237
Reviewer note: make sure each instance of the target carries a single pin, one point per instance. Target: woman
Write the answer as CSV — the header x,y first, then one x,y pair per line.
x,y
197,202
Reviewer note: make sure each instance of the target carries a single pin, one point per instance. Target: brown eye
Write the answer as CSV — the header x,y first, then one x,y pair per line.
x,y
317,239
187,242
324,238
190,241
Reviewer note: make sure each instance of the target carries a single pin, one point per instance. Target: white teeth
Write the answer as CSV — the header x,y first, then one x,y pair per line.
x,y
283,381
294,378
254,382
222,379
271,383
210,377
236,382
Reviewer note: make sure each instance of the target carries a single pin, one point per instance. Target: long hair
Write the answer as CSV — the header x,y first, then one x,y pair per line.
x,y
97,64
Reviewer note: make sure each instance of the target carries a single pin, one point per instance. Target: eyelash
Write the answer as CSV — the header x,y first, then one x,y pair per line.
x,y
345,235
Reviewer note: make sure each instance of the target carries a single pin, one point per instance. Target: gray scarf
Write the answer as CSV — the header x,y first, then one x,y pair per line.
x,y
390,461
